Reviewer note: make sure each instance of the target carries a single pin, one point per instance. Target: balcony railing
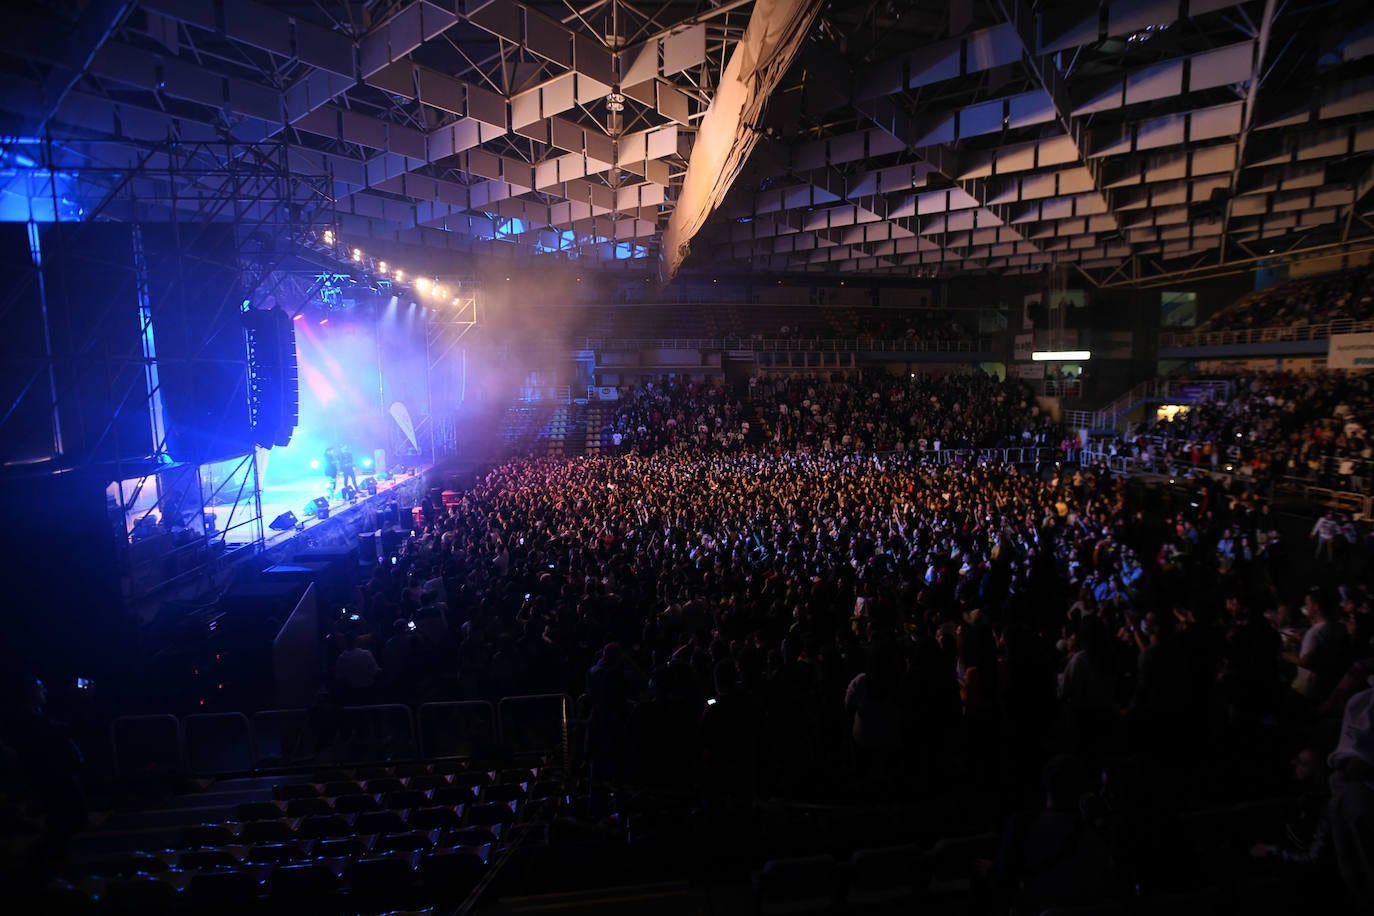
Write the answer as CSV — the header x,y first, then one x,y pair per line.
x,y
1280,334
787,344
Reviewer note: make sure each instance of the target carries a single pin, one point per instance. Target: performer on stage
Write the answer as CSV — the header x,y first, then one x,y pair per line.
x,y
350,479
331,470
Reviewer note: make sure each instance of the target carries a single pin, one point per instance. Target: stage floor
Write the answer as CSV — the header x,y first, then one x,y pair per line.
x,y
292,496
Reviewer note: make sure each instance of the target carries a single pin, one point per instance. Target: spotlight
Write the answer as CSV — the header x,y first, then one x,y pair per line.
x,y
329,236
367,462
315,464
381,266
422,284
299,316
357,254
324,321
399,276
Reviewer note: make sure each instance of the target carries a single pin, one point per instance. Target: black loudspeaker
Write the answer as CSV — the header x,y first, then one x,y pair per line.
x,y
284,522
321,507
273,385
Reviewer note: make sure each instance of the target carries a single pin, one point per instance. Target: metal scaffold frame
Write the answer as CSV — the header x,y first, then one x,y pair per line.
x,y
246,194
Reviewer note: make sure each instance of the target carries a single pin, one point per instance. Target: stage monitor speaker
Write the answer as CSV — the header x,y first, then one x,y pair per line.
x,y
284,522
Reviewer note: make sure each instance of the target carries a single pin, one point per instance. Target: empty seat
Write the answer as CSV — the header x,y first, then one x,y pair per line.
x,y
275,854
469,836
470,778
406,842
385,882
427,782
207,835
450,874
379,822
503,792
406,798
143,896
205,859
803,885
305,807
131,863
342,787
453,795
546,788
259,811
307,883
372,772
353,804
435,818
952,861
410,770
221,891
490,813
326,825
450,767
383,785
295,791
267,832
343,848
893,875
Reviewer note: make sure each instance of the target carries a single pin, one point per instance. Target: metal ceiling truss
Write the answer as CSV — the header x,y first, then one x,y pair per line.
x,y
1128,138
1143,132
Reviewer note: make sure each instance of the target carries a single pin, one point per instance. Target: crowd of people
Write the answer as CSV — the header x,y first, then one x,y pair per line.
x,y
1302,303
1312,426
777,594
921,413
809,624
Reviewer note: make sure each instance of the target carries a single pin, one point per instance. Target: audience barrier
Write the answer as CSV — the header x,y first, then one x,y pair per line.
x,y
457,728
143,743
220,744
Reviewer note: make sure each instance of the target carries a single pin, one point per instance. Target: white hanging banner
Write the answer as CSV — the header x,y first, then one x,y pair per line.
x,y
729,130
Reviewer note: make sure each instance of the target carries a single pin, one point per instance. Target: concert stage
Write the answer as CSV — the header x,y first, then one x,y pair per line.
x,y
347,518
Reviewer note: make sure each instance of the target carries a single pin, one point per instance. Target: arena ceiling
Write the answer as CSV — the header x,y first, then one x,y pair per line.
x,y
1127,139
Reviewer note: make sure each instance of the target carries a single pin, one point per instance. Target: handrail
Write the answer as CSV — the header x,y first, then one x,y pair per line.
x,y
1263,335
1183,390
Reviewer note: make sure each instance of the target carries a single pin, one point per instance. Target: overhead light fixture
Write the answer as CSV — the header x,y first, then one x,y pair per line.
x,y
1062,356
329,236
357,254
381,266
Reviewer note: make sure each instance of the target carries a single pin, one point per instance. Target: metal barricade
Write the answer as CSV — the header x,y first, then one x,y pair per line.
x,y
383,732
533,724
287,737
217,743
143,744
333,735
458,728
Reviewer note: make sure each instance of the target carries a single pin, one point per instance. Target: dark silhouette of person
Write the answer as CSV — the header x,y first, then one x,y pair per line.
x,y
350,479
49,763
331,470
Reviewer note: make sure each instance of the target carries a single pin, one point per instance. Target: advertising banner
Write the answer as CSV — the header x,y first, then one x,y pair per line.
x,y
1351,351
